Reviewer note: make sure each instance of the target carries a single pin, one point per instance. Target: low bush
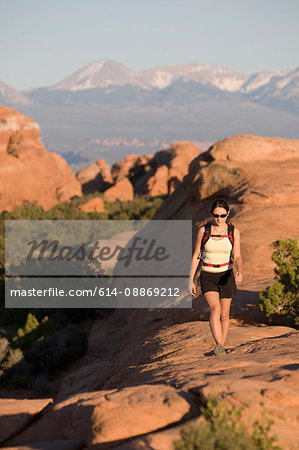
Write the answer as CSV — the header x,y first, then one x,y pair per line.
x,y
281,298
4,346
137,209
221,429
33,330
12,358
48,354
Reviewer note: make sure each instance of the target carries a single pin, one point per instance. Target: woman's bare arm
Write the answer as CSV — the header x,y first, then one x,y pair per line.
x,y
237,255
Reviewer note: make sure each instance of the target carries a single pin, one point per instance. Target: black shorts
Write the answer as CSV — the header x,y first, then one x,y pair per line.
x,y
222,282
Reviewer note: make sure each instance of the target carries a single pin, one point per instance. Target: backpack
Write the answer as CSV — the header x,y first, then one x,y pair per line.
x,y
206,236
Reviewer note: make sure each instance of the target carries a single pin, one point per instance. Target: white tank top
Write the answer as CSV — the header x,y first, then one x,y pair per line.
x,y
217,251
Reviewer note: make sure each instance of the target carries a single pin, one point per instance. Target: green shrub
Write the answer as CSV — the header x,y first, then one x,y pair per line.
x,y
221,429
282,296
32,331
13,358
4,346
30,325
44,357
137,209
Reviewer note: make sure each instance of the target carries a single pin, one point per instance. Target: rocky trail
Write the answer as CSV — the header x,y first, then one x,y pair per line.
x,y
147,372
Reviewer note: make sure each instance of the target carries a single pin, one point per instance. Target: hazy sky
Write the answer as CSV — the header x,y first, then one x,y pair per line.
x,y
42,42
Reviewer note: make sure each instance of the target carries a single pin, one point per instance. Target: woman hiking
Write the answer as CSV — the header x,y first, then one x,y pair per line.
x,y
215,244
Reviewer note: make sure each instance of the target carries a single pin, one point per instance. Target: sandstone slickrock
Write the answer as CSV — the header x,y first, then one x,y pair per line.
x,y
138,410
175,359
261,366
60,444
254,148
109,415
27,170
161,440
17,413
140,347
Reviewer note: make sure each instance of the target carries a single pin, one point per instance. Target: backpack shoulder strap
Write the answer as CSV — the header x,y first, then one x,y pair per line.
x,y
230,233
205,237
230,230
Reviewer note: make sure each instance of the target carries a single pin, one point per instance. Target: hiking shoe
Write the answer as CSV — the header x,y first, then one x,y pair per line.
x,y
219,350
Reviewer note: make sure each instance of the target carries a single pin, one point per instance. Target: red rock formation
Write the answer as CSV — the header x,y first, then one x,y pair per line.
x,y
122,190
150,175
168,168
90,179
105,171
157,184
122,169
96,177
27,170
94,204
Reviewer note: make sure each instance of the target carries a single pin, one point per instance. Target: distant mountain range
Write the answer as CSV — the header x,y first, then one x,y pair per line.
x,y
110,75
198,102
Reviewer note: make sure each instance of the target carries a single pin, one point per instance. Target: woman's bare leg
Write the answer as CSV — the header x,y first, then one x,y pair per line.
x,y
212,298
225,306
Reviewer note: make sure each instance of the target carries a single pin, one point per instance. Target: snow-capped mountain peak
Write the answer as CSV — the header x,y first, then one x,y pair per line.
x,y
105,72
109,73
259,79
222,78
102,73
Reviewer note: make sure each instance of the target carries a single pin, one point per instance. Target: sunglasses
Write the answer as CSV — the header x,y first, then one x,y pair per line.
x,y
219,215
